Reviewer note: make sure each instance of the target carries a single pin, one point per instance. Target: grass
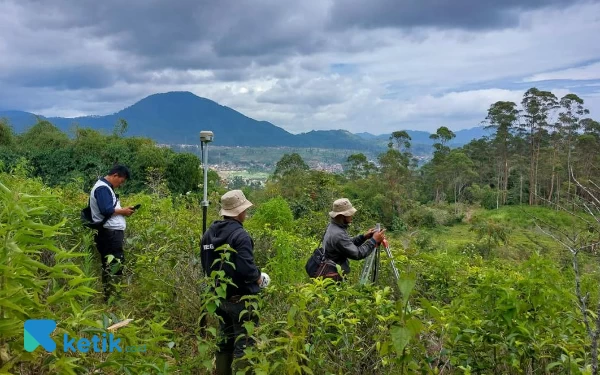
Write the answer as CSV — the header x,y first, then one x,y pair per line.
x,y
524,237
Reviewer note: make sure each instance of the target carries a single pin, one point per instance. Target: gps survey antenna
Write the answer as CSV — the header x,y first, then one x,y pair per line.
x,y
206,136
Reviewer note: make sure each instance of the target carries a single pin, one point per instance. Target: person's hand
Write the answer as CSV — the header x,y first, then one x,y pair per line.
x,y
127,211
264,280
369,233
379,236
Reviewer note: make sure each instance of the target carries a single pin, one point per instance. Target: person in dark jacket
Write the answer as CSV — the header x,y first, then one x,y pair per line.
x,y
337,243
245,275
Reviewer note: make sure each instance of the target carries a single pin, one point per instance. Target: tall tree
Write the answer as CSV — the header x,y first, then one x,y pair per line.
x,y
588,149
358,166
443,135
569,122
503,117
460,169
538,106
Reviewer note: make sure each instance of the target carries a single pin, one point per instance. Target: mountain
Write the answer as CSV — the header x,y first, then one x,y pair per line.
x,y
419,137
335,139
19,120
178,117
366,135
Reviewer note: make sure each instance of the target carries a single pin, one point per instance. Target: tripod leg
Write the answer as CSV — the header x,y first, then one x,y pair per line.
x,y
394,269
376,265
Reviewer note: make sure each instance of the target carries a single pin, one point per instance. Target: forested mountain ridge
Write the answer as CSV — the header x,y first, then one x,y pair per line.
x,y
177,117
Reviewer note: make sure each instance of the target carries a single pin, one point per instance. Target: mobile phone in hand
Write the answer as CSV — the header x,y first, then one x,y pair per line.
x,y
137,206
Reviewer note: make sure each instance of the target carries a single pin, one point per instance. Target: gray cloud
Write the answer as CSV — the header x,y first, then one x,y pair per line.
x,y
64,78
301,65
455,14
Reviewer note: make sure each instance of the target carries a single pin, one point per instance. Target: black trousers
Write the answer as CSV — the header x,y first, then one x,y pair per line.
x,y
232,326
110,242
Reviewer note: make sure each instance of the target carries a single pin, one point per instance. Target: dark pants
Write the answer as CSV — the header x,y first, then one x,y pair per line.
x,y
232,327
110,242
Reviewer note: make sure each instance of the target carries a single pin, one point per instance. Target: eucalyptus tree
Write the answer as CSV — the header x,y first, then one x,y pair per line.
x,y
443,135
537,108
503,118
569,123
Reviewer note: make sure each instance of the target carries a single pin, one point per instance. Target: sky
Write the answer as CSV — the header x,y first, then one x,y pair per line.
x,y
362,65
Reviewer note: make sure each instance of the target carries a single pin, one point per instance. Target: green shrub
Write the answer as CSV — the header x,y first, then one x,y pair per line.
x,y
275,213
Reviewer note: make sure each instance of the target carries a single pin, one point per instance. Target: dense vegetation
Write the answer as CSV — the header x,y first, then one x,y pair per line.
x,y
488,285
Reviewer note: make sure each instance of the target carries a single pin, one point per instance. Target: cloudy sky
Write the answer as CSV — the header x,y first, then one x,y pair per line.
x,y
360,65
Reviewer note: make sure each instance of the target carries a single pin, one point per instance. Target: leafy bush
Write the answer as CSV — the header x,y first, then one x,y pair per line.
x,y
275,213
466,314
431,217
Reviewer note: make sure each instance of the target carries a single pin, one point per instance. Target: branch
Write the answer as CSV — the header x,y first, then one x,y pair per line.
x,y
571,249
561,208
584,188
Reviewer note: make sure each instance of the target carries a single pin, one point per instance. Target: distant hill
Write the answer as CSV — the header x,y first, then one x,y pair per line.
x,y
19,120
178,117
422,137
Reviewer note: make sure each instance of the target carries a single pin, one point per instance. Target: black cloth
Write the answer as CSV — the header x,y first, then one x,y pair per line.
x,y
231,232
339,246
110,242
231,327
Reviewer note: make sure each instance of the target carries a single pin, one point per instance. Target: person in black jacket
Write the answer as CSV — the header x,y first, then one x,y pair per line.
x,y
337,243
246,276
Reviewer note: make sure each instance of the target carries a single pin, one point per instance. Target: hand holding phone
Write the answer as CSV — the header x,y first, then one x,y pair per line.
x,y
137,206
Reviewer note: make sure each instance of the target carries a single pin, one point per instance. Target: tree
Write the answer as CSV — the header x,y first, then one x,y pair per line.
x,y
396,175
401,139
183,173
588,149
460,170
43,135
443,135
569,123
236,183
537,106
503,117
491,233
358,166
289,163
7,137
120,128
579,239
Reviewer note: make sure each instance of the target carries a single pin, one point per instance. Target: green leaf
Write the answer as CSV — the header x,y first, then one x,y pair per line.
x,y
400,338
406,286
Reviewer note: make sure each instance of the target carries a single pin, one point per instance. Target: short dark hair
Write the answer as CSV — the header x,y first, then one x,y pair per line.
x,y
120,170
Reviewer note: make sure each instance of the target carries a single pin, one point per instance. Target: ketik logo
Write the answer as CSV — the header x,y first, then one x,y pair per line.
x,y
83,345
37,332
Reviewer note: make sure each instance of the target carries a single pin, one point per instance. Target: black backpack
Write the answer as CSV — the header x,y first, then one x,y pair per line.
x,y
318,265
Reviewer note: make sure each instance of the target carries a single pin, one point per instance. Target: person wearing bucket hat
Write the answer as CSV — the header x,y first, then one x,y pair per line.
x,y
240,269
337,243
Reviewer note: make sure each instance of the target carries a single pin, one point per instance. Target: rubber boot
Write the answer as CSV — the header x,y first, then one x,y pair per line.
x,y
223,363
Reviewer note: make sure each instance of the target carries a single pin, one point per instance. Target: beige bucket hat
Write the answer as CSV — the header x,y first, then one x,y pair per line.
x,y
342,206
233,203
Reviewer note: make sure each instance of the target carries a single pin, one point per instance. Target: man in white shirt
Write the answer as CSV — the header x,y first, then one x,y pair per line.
x,y
106,207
